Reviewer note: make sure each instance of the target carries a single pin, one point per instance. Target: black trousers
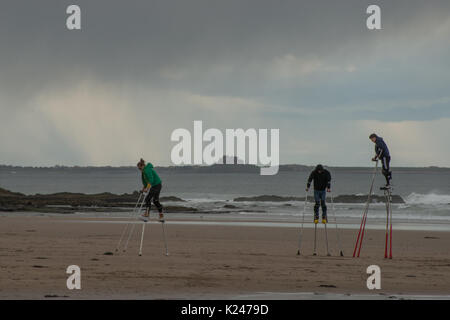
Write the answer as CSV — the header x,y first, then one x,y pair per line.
x,y
385,161
153,195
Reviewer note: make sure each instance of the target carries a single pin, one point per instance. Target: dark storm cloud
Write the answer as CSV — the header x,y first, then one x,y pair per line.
x,y
293,65
133,40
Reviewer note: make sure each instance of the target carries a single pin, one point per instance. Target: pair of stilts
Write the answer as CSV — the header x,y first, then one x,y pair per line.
x,y
131,224
341,253
388,197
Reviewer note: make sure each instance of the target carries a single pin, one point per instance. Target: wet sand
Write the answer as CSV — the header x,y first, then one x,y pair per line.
x,y
210,261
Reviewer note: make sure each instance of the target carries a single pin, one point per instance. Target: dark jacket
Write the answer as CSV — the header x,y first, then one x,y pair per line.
x,y
321,180
381,149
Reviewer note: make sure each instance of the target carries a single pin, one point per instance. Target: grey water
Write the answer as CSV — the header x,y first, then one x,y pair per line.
x,y
426,191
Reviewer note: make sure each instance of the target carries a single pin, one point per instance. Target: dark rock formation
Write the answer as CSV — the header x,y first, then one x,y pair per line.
x,y
66,202
337,199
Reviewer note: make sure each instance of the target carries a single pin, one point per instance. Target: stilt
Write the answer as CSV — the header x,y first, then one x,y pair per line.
x,y
388,243
326,239
137,213
389,215
165,240
142,237
359,239
127,225
315,240
301,230
386,198
339,243
390,232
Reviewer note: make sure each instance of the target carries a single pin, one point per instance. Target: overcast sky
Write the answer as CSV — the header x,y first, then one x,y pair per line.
x,y
114,91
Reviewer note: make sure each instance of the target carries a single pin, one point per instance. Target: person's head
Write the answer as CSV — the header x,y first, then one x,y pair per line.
x,y
141,164
373,137
319,168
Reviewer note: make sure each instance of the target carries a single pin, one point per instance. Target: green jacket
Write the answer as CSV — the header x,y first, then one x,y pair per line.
x,y
149,176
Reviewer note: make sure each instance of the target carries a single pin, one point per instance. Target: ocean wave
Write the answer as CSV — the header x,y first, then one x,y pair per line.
x,y
427,199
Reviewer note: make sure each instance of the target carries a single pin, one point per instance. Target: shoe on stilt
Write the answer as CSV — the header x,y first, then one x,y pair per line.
x,y
144,217
161,217
316,219
324,220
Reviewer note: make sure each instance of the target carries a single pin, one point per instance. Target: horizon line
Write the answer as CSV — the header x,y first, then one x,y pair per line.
x,y
204,166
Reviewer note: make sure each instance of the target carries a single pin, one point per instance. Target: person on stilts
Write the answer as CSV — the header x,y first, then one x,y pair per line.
x,y
382,153
152,184
322,185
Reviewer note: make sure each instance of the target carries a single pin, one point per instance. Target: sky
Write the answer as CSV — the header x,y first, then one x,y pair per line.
x,y
115,90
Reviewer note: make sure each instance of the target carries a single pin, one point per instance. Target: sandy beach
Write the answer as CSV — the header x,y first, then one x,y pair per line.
x,y
209,261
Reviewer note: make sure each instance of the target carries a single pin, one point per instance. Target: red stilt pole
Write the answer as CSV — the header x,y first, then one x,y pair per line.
x,y
362,227
390,232
362,234
386,197
359,234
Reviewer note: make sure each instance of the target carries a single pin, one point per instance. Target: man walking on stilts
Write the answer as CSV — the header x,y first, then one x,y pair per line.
x,y
322,182
152,185
382,153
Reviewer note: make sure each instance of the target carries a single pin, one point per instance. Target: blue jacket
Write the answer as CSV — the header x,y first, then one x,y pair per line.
x,y
381,148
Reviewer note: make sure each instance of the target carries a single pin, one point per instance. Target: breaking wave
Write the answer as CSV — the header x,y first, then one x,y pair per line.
x,y
427,199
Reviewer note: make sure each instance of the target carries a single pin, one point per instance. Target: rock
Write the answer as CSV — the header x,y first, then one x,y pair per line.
x,y
172,199
338,199
271,198
230,206
67,202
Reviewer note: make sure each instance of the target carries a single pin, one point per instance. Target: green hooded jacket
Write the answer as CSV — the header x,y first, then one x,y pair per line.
x,y
149,176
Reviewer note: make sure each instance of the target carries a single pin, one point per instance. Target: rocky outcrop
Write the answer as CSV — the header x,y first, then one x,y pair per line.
x,y
337,199
67,202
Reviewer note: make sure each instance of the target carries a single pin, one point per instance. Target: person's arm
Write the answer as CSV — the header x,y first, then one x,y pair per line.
x,y
381,149
308,184
149,174
151,177
146,180
143,179
328,181
378,151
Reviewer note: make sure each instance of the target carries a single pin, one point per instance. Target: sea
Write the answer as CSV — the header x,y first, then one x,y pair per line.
x,y
425,191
